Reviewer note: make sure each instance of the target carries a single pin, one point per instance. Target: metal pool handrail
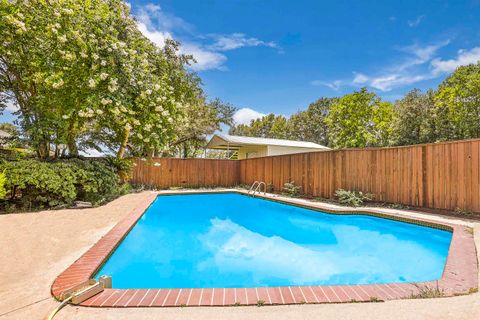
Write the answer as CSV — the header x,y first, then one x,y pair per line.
x,y
256,187
253,186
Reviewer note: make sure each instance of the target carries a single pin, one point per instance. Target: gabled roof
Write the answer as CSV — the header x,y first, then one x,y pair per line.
x,y
224,139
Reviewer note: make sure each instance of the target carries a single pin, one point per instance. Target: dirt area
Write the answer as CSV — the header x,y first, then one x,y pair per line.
x,y
36,247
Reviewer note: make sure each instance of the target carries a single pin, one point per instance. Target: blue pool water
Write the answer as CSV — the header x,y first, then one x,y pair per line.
x,y
232,240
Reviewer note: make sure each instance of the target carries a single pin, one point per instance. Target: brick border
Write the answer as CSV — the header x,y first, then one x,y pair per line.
x,y
460,275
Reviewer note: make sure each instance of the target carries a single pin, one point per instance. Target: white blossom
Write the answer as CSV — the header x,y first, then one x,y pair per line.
x,y
105,101
92,83
103,76
103,63
17,23
69,56
58,84
156,87
62,38
95,56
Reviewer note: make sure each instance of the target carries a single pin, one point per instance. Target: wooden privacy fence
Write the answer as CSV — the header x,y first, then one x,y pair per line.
x,y
172,172
440,176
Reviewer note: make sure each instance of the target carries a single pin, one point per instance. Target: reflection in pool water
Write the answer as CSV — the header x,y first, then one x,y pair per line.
x,y
231,240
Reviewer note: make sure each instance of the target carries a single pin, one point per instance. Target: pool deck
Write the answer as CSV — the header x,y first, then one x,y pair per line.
x,y
36,247
460,275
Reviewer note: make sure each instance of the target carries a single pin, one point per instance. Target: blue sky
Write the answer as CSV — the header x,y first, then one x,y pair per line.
x,y
280,55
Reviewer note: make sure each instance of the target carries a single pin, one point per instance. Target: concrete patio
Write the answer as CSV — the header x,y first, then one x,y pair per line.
x,y
36,247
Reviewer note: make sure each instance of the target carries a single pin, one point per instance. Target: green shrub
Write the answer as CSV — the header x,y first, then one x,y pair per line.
x,y
3,192
290,189
123,167
33,184
352,198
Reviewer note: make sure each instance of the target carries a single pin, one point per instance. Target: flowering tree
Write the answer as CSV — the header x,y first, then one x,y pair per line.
x,y
82,74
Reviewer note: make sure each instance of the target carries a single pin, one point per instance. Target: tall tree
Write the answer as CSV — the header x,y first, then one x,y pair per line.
x,y
310,125
269,126
458,104
360,119
82,74
197,120
415,119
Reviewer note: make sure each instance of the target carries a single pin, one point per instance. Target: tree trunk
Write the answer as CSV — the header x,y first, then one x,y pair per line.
x,y
123,144
43,149
71,143
185,151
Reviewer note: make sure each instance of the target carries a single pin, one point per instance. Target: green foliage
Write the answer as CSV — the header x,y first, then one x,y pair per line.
x,y
269,126
458,104
38,184
197,120
260,303
290,189
123,167
415,121
427,292
360,119
352,198
462,212
310,125
3,180
83,75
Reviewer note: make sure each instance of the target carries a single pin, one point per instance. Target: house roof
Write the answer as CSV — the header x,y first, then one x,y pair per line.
x,y
219,140
4,134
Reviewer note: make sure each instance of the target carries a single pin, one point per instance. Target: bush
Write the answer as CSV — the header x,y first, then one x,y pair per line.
x,y
3,192
352,198
33,184
291,189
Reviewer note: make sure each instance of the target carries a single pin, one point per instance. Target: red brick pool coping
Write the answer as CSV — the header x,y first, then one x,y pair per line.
x,y
460,275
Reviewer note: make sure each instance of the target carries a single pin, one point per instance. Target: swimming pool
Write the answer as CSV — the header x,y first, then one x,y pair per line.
x,y
227,240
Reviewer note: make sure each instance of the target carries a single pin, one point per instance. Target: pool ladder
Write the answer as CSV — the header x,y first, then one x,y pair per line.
x,y
256,187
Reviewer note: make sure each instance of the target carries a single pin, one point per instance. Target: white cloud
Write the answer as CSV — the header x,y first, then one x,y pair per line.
x,y
416,66
334,85
157,25
11,106
390,81
245,115
156,36
154,17
415,22
360,78
238,40
205,59
464,57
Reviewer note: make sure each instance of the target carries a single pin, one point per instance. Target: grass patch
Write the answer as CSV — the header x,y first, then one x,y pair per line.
x,y
428,293
260,303
472,290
